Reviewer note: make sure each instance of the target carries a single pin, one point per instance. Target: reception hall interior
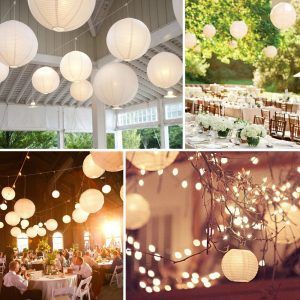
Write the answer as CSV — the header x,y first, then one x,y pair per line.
x,y
213,225
242,74
61,225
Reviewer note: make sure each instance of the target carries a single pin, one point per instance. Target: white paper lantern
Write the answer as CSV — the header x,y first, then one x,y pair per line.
x,y
31,232
15,231
152,160
239,265
12,218
238,29
128,39
24,208
24,224
3,206
190,40
81,90
177,8
106,189
91,169
66,219
18,45
283,15
36,228
91,200
40,224
4,71
8,193
1,225
55,194
51,224
122,192
79,215
270,51
164,69
233,44
45,80
110,161
42,231
209,31
76,66
137,211
63,15
115,84
77,205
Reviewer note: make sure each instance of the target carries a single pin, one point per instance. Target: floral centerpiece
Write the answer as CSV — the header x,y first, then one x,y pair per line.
x,y
50,263
222,125
43,246
204,120
252,134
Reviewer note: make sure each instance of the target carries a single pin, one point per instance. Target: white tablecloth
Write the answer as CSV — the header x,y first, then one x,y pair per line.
x,y
46,284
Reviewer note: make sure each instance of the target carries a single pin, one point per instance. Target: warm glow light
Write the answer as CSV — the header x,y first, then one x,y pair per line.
x,y
51,224
91,200
112,229
55,194
3,206
24,224
45,80
66,219
81,90
24,208
91,169
8,193
106,189
15,231
109,161
1,225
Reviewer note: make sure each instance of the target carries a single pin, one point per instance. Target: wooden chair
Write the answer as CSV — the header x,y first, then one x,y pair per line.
x,y
295,133
279,116
289,107
218,111
212,109
283,106
277,128
117,276
259,120
206,108
293,120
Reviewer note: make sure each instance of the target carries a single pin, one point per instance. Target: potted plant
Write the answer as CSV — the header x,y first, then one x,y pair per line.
x,y
204,120
223,126
252,134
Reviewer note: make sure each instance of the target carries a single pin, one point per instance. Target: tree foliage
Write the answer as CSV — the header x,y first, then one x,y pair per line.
x,y
78,141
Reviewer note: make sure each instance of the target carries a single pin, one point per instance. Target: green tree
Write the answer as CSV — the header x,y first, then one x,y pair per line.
x,y
175,137
131,139
78,141
110,141
150,138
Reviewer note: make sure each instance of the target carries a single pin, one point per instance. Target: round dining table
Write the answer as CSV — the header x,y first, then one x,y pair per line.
x,y
47,283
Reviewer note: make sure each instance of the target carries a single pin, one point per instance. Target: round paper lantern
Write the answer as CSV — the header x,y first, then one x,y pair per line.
x,y
66,219
91,169
15,231
36,228
1,225
81,90
115,84
238,29
24,208
63,15
12,218
122,192
91,200
137,211
209,31
190,40
288,223
55,194
239,265
79,215
45,80
283,15
106,189
178,11
76,66
128,39
42,231
270,51
4,70
77,205
31,232
110,161
8,193
164,69
152,160
51,224
3,206
233,44
18,45
24,224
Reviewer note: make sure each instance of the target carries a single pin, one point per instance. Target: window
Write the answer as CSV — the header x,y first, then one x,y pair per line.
x,y
58,241
145,115
173,111
22,242
86,239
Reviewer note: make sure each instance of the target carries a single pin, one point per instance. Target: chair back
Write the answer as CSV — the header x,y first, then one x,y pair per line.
x,y
279,116
289,107
259,120
277,128
295,132
293,120
84,287
266,114
10,293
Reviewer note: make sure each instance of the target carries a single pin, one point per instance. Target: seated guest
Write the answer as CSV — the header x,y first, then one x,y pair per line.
x,y
117,259
11,279
60,261
89,260
83,269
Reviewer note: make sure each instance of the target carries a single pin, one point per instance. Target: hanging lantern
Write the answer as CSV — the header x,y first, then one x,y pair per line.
x,y
238,29
79,215
36,228
165,69
110,161
12,218
8,193
209,31
55,194
106,189
283,15
66,219
90,169
24,224
239,265
190,40
63,15
40,224
77,205
3,206
76,66
15,231
128,39
4,70
137,211
24,208
18,45
177,8
115,84
1,225
152,160
42,231
122,192
270,51
45,80
81,90
91,200
51,224
233,44
31,232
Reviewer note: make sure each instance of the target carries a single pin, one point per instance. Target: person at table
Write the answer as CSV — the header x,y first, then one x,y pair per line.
x,y
81,268
117,259
89,260
12,279
60,261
